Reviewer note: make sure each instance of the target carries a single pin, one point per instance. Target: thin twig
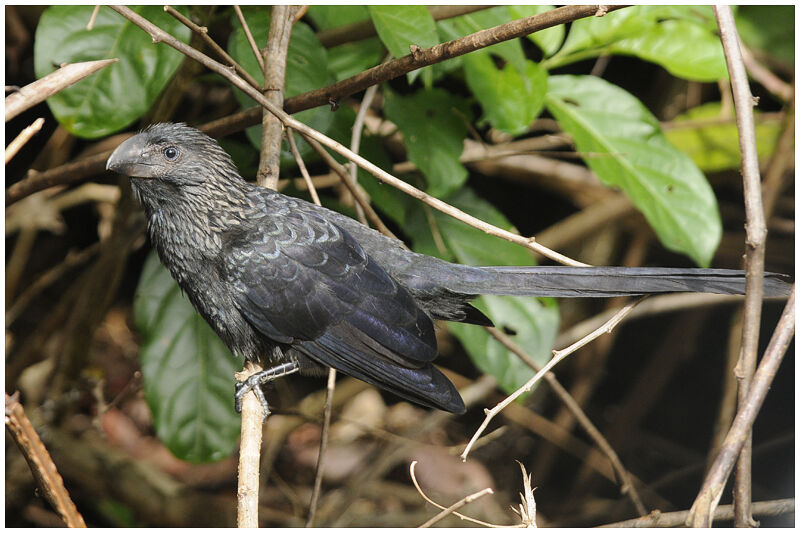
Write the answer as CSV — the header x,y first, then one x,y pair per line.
x,y
776,86
707,499
723,512
558,356
323,446
42,89
627,486
250,39
302,166
355,191
355,137
24,136
756,229
90,25
41,464
202,31
449,510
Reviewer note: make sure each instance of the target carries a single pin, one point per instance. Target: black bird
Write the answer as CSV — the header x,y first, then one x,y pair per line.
x,y
298,287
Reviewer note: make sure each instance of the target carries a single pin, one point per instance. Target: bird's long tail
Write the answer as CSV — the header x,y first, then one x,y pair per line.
x,y
603,281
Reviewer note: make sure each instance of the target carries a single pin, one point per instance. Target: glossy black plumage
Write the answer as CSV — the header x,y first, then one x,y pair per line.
x,y
283,280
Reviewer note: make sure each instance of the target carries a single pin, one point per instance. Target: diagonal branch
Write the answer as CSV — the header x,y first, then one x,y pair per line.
x,y
40,462
160,35
436,54
706,502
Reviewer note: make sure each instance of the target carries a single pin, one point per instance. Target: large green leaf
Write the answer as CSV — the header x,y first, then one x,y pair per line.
x,y
306,70
769,29
550,39
510,99
714,146
401,26
681,39
326,17
434,124
685,49
532,322
116,96
188,372
625,147
346,59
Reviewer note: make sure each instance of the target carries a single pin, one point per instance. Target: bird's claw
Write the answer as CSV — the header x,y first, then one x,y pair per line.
x,y
253,383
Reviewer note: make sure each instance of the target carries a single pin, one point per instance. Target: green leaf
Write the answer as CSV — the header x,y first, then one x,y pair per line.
x,y
682,39
550,39
433,123
188,372
401,26
116,96
349,59
533,321
306,70
624,145
715,146
769,29
511,51
685,49
510,99
326,17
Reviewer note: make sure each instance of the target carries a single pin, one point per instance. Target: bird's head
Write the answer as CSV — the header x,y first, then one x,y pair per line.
x,y
173,153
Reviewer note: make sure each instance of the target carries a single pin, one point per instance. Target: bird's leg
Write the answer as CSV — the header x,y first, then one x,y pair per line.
x,y
254,382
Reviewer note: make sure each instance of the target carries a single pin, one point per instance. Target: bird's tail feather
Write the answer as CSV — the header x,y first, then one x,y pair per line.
x,y
604,281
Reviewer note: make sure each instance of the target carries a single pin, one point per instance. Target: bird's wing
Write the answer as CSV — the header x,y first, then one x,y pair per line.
x,y
298,277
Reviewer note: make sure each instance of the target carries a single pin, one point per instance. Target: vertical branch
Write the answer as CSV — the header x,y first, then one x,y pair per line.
x,y
707,499
755,243
252,416
274,61
249,453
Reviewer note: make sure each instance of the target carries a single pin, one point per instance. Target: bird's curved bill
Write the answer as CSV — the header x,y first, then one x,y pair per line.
x,y
128,159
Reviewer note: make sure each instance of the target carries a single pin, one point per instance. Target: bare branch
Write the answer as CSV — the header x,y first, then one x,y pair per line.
x,y
441,52
42,467
202,31
42,89
250,39
723,512
756,229
704,505
323,446
249,453
452,509
302,166
558,356
20,140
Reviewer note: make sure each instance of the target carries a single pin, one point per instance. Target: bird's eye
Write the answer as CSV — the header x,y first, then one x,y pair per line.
x,y
171,153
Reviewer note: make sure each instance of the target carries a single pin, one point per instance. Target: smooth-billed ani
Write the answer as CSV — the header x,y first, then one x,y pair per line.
x,y
299,287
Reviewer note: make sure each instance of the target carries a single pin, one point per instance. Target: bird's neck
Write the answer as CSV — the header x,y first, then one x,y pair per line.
x,y
187,224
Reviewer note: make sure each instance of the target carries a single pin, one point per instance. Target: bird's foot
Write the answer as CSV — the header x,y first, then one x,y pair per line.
x,y
254,383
